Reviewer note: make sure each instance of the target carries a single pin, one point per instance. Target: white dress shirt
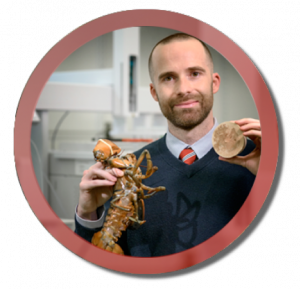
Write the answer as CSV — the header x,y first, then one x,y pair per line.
x,y
200,147
175,146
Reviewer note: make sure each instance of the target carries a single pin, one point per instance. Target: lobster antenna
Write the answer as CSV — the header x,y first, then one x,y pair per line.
x,y
107,145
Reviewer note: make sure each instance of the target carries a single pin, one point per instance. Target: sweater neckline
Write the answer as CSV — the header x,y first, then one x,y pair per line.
x,y
188,170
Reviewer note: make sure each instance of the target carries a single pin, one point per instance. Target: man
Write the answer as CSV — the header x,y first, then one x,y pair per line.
x,y
200,198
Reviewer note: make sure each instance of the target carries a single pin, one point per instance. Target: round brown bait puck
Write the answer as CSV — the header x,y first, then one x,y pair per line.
x,y
228,140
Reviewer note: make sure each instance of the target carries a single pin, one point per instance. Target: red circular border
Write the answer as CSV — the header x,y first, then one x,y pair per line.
x,y
223,45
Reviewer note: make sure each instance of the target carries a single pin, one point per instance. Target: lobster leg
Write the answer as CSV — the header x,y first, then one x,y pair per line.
x,y
150,169
139,218
151,191
121,208
133,177
154,169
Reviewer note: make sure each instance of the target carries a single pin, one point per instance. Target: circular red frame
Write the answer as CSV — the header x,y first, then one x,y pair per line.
x,y
223,45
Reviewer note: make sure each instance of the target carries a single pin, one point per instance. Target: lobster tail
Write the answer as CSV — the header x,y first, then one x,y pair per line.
x,y
105,242
117,220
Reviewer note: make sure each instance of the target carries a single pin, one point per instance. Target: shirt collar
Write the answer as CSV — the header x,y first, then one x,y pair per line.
x,y
200,147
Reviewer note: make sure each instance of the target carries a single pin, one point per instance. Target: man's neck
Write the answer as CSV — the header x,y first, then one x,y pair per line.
x,y
191,136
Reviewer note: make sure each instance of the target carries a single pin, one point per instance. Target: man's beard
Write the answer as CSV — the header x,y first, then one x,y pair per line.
x,y
188,118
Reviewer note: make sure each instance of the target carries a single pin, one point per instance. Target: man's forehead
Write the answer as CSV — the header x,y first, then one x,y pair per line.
x,y
178,49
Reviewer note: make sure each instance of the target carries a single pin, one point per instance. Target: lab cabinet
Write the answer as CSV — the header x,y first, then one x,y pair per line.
x,y
65,174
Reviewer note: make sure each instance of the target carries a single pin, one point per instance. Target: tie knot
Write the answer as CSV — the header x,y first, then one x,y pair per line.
x,y
188,156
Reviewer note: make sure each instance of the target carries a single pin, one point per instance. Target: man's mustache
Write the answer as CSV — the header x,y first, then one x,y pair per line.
x,y
191,97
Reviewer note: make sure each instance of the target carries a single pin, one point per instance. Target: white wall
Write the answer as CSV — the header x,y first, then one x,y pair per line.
x,y
89,56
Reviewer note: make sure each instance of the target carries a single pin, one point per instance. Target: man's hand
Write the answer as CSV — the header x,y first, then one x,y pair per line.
x,y
251,129
96,188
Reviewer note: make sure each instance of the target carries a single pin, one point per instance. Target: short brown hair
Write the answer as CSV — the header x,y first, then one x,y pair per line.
x,y
177,36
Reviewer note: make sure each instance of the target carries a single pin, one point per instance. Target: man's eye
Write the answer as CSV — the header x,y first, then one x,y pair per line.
x,y
196,73
168,78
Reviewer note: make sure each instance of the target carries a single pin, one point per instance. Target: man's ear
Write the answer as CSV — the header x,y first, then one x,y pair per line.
x,y
216,82
153,92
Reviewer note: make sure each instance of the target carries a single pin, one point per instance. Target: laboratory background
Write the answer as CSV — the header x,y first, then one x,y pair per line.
x,y
102,91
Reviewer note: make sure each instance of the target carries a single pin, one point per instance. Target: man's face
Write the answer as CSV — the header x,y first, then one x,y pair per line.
x,y
183,82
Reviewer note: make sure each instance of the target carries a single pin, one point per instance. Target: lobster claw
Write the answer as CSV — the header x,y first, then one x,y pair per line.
x,y
135,224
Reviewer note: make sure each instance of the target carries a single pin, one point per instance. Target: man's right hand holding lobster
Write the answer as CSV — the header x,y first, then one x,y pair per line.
x,y
96,188
119,177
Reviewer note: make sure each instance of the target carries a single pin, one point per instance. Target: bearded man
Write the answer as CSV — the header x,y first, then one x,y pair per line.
x,y
203,191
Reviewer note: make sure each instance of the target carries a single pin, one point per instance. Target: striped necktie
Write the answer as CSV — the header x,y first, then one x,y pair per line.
x,y
188,156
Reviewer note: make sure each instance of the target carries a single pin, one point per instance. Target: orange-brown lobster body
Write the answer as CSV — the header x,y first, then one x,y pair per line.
x,y
127,205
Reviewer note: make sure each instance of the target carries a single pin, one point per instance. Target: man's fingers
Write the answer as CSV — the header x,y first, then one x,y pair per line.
x,y
249,126
116,172
246,121
252,132
95,172
91,184
100,174
102,183
97,176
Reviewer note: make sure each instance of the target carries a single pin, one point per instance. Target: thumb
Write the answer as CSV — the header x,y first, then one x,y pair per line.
x,y
235,160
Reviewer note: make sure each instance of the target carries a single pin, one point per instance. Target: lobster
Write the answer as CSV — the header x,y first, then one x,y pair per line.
x,y
127,206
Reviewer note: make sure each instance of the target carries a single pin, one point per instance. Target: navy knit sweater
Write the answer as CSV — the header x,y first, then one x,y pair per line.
x,y
200,199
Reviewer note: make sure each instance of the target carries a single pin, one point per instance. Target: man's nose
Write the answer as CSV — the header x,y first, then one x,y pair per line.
x,y
184,86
